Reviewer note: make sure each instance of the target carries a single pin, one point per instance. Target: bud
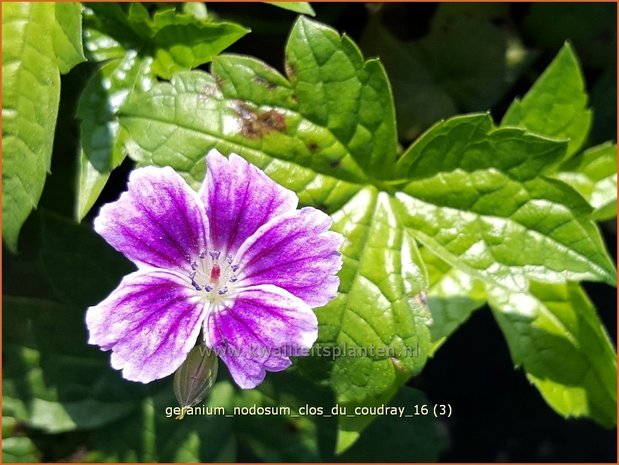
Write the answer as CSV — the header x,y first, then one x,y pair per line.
x,y
195,377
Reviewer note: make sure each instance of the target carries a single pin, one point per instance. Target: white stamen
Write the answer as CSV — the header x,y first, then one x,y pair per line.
x,y
212,274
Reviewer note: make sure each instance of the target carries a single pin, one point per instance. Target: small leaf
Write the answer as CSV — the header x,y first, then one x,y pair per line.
x,y
90,185
556,105
181,41
303,8
17,448
195,9
36,47
108,32
554,333
593,173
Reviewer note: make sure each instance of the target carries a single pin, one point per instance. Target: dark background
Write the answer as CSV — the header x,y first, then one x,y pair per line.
x,y
497,416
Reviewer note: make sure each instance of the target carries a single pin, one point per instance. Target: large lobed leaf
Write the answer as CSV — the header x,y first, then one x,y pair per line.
x,y
475,195
39,41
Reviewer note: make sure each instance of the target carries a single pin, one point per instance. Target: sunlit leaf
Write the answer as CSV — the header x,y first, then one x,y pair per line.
x,y
39,41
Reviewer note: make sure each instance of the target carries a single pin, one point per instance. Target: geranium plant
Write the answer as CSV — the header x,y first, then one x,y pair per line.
x,y
286,210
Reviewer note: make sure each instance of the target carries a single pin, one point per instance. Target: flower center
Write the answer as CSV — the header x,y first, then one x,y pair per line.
x,y
213,274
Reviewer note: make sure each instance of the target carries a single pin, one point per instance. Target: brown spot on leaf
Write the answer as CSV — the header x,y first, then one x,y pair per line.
x,y
263,82
334,163
294,99
206,93
398,365
312,146
291,70
218,81
256,124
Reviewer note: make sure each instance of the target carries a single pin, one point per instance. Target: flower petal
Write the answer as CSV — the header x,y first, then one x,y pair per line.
x,y
259,331
240,198
150,322
296,252
160,221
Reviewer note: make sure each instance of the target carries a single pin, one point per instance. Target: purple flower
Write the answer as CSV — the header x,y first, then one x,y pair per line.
x,y
236,261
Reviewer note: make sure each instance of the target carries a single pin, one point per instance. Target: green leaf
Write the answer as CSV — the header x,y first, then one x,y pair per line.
x,y
58,383
39,40
476,200
67,36
388,439
554,333
471,143
313,112
182,41
443,73
556,105
593,173
108,34
373,309
138,48
151,434
452,297
102,97
90,185
101,136
303,8
17,448
195,9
